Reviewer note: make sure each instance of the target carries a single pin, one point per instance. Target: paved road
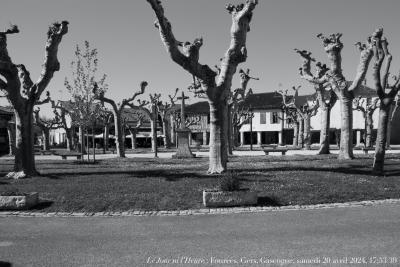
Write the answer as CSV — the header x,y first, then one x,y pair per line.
x,y
285,238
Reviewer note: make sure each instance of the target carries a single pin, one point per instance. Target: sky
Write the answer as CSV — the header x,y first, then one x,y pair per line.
x,y
130,49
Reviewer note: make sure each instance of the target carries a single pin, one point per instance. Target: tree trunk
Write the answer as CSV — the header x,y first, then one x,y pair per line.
x,y
11,138
119,143
346,134
379,158
46,139
230,131
82,140
324,135
133,138
154,130
106,137
218,143
166,132
389,127
235,136
172,132
307,132
295,134
368,127
301,133
70,139
24,156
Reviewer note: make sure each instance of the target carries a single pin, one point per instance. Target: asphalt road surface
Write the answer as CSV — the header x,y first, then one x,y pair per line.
x,y
352,236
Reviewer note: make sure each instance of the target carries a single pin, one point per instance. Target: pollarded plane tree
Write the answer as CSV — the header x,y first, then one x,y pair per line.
x,y
151,113
344,89
326,97
235,99
367,107
386,93
304,112
134,129
217,85
166,110
45,125
23,93
105,118
61,111
293,117
241,116
117,110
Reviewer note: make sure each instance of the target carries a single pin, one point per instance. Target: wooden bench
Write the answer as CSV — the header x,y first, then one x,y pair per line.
x,y
281,150
44,152
71,154
366,149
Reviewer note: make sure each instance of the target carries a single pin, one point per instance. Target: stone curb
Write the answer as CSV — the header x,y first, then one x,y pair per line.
x,y
197,211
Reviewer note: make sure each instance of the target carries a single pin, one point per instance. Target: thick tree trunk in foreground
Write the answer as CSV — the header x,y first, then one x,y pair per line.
x,y
218,143
24,153
346,134
324,135
379,158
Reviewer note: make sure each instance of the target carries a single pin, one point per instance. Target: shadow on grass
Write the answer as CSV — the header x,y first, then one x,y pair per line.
x,y
359,170
43,204
175,175
3,182
268,201
5,264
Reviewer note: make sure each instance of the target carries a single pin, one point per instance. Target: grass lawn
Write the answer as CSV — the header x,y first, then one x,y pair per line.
x,y
169,184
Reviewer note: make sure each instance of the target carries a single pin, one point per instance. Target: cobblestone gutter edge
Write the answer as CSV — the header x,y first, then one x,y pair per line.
x,y
198,211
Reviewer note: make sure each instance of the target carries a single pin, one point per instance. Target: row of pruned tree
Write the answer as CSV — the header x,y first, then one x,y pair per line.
x,y
331,82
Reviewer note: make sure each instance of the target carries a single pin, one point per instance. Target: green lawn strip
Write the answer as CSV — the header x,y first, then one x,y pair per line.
x,y
170,184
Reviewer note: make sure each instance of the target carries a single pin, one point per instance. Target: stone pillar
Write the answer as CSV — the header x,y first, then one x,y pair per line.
x,y
358,138
183,150
241,138
204,138
280,138
259,138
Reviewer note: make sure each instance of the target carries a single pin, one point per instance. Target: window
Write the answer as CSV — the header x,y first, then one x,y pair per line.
x,y
274,118
263,118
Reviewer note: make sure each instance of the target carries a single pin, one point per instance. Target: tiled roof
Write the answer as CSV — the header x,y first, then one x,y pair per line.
x,y
198,108
270,100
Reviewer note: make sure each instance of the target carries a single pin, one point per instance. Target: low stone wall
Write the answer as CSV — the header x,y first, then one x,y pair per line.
x,y
18,202
229,198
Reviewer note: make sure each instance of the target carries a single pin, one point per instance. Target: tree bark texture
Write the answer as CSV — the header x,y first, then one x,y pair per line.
x,y
307,132
296,134
300,136
346,135
324,135
380,147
